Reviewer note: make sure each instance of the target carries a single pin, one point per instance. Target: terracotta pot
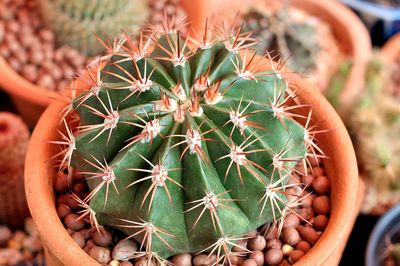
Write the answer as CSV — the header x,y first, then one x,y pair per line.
x,y
31,100
391,50
348,29
341,168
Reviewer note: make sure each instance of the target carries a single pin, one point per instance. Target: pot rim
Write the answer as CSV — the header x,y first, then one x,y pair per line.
x,y
383,227
391,50
55,237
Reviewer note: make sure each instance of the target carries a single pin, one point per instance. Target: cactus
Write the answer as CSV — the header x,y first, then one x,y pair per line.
x,y
295,41
374,123
187,144
14,137
77,22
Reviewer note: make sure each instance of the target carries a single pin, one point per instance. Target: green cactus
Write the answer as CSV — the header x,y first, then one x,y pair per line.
x,y
187,148
292,40
77,22
375,124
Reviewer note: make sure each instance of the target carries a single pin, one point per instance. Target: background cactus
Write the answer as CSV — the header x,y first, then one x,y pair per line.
x,y
188,146
374,123
304,41
77,22
292,40
14,137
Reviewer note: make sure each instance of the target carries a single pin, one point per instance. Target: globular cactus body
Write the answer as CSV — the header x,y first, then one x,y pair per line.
x,y
187,147
76,23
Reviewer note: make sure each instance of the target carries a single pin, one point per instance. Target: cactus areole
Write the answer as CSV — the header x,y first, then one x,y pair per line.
x,y
187,145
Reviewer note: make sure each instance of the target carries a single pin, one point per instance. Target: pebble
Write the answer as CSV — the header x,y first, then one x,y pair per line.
x,y
5,235
72,222
321,205
249,262
321,222
321,185
79,239
295,255
203,259
290,236
286,249
303,246
291,220
125,249
102,237
274,243
257,243
258,257
309,234
100,254
273,256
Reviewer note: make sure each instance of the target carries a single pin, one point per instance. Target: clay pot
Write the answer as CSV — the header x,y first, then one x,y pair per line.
x,y
348,29
391,50
341,167
31,100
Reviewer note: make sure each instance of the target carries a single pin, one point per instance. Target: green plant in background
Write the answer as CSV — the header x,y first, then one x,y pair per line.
x,y
376,123
186,148
77,22
292,40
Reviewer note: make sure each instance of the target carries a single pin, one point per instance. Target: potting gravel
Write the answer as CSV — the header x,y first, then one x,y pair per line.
x,y
29,47
22,247
300,231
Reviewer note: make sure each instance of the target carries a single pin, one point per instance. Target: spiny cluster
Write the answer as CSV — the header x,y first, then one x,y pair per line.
x,y
186,144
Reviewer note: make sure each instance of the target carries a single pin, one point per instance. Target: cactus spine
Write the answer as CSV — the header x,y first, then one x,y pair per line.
x,y
77,22
187,146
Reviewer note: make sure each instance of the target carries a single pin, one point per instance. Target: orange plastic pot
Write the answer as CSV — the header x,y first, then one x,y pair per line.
x,y
31,100
348,29
341,168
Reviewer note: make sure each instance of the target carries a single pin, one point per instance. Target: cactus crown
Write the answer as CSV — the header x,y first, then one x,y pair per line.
x,y
187,144
280,31
76,22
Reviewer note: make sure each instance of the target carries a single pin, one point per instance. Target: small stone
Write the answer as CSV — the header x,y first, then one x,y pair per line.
x,y
303,246
321,185
307,180
144,262
309,234
72,222
258,257
102,237
33,244
295,256
321,205
29,72
79,239
63,210
286,249
257,243
203,259
30,227
46,81
100,254
321,222
274,243
318,171
61,182
126,263
290,236
184,259
124,250
249,262
291,220
114,263
5,235
273,256
10,256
